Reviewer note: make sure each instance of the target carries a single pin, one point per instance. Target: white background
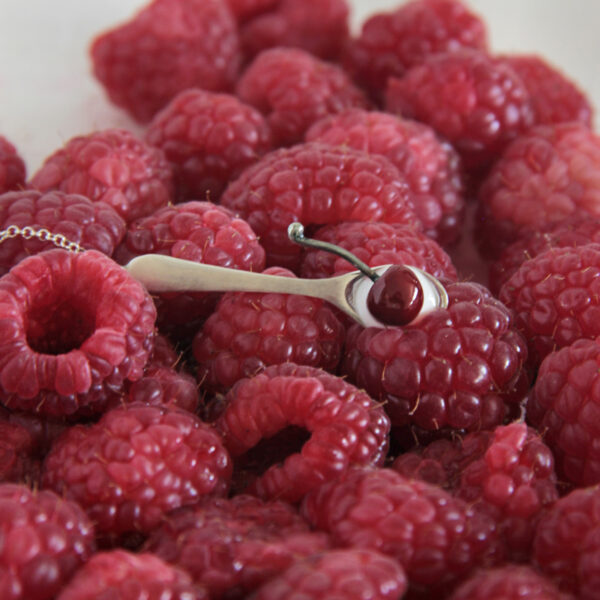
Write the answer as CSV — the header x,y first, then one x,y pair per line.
x,y
47,94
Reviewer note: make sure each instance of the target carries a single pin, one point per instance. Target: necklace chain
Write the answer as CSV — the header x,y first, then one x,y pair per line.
x,y
28,233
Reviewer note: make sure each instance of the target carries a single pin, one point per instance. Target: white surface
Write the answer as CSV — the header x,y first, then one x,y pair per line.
x,y
47,94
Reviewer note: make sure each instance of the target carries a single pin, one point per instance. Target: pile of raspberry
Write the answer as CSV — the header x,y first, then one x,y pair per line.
x,y
228,445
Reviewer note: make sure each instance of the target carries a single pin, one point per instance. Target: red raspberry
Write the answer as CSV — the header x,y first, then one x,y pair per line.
x,y
12,167
169,46
458,368
294,89
233,546
201,232
137,464
317,184
113,166
555,298
566,545
245,9
92,225
546,176
209,139
250,330
563,405
346,427
317,26
476,103
17,462
74,328
45,539
555,99
351,574
121,575
438,539
511,582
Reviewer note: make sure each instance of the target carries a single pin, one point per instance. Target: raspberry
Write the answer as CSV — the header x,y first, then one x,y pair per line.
x,y
563,405
121,575
209,139
294,89
458,368
169,46
438,539
478,104
74,329
566,543
12,167
250,330
555,99
113,166
317,184
135,465
555,298
233,546
544,177
511,582
201,232
17,463
45,539
317,26
245,9
349,574
346,427
92,225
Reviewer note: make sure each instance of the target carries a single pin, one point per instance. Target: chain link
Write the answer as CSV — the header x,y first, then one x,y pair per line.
x,y
28,233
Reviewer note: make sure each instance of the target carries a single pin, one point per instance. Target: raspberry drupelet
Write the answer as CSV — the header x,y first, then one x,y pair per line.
x,y
92,225
351,574
345,427
545,176
317,184
135,465
122,575
12,167
232,546
209,139
111,165
294,89
45,539
169,46
477,103
74,328
458,368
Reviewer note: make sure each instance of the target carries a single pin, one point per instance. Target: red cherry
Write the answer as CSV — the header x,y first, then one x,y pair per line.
x,y
396,297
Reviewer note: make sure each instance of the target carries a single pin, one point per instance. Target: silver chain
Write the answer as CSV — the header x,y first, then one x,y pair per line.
x,y
28,233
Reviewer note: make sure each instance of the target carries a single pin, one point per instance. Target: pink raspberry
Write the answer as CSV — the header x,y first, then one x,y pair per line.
x,y
121,575
317,26
344,425
555,298
45,539
12,167
477,103
245,9
136,464
233,546
251,330
546,176
74,328
209,139
317,184
169,46
563,404
294,89
554,98
436,538
511,582
458,368
351,574
566,546
113,166
17,461
92,225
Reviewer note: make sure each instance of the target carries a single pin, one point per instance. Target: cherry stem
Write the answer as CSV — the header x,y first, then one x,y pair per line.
x,y
296,234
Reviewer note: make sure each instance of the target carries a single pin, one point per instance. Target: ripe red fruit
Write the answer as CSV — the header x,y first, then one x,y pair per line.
x,y
17,462
245,9
12,167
